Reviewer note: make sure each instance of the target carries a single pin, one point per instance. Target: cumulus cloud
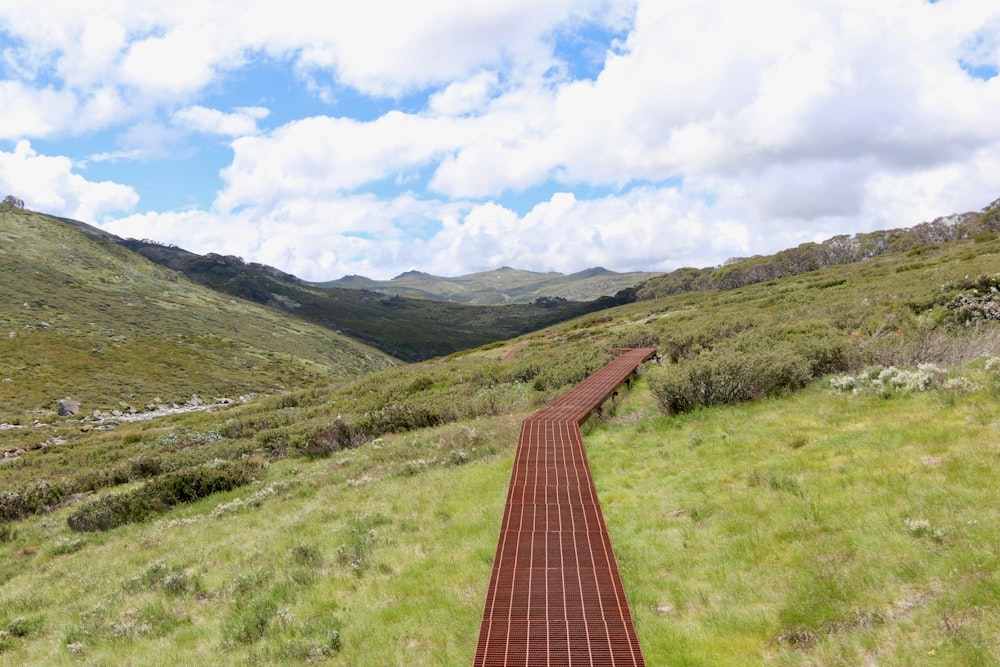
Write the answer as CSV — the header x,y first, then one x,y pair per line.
x,y
709,130
37,112
48,184
466,96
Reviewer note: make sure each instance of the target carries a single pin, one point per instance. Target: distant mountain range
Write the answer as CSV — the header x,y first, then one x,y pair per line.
x,y
503,285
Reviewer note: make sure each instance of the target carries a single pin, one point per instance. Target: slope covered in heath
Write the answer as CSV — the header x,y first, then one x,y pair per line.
x,y
808,478
81,316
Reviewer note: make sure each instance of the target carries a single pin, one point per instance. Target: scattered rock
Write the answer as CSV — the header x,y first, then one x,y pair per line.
x,y
194,402
68,406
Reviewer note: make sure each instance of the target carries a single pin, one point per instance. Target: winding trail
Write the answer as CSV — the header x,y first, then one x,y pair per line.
x,y
555,596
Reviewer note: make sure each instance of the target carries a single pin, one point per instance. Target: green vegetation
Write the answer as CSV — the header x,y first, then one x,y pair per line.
x,y
163,493
818,529
913,242
828,499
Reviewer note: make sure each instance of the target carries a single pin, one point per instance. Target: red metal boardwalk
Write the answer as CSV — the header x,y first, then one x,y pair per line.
x,y
555,596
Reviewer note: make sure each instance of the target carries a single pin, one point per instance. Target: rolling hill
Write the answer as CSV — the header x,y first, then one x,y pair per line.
x,y
410,329
82,316
808,478
503,285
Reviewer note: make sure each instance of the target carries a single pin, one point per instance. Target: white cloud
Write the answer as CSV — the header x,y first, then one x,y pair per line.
x,y
48,184
463,97
316,155
721,128
95,52
212,121
33,112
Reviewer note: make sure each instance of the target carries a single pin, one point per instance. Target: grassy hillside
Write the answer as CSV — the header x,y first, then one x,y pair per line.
x,y
841,511
81,316
504,285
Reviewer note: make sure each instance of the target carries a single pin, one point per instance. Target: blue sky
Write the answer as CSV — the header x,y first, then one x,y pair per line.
x,y
454,136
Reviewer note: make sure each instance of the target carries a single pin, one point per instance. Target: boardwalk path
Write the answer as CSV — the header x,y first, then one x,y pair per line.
x,y
555,596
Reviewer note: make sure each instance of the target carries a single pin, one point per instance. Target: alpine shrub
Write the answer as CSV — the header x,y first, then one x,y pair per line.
x,y
724,378
161,494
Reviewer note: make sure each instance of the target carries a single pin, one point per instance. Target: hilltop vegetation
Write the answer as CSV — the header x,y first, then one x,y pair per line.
x,y
842,249
841,512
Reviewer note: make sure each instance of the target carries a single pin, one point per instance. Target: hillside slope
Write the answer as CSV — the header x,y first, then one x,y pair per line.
x,y
81,316
410,329
835,251
845,515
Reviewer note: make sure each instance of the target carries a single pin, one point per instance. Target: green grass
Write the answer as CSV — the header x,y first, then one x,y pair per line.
x,y
361,558
819,529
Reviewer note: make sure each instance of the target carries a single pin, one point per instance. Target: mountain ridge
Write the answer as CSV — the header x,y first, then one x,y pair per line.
x,y
502,285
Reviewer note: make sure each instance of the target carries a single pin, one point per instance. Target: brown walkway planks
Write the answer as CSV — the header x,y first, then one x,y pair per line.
x,y
555,596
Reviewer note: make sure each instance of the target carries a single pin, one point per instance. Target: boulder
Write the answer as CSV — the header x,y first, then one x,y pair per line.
x,y
68,406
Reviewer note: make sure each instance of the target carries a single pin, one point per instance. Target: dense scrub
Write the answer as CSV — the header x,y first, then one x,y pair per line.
x,y
163,493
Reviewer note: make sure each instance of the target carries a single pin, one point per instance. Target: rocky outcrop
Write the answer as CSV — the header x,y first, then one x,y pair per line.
x,y
68,407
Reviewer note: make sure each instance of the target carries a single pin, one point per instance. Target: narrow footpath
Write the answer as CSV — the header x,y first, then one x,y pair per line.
x,y
555,596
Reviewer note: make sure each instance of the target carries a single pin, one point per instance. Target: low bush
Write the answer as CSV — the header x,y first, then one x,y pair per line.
x,y
890,380
569,369
7,533
980,302
723,378
637,336
163,493
32,498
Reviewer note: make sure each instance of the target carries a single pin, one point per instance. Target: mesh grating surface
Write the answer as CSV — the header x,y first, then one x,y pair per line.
x,y
555,596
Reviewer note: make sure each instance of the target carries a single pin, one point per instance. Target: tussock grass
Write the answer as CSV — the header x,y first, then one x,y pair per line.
x,y
818,529
361,560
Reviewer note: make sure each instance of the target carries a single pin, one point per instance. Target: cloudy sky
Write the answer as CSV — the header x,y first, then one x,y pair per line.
x,y
453,136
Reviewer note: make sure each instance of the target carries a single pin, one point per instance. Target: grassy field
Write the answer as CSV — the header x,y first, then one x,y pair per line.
x,y
820,529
